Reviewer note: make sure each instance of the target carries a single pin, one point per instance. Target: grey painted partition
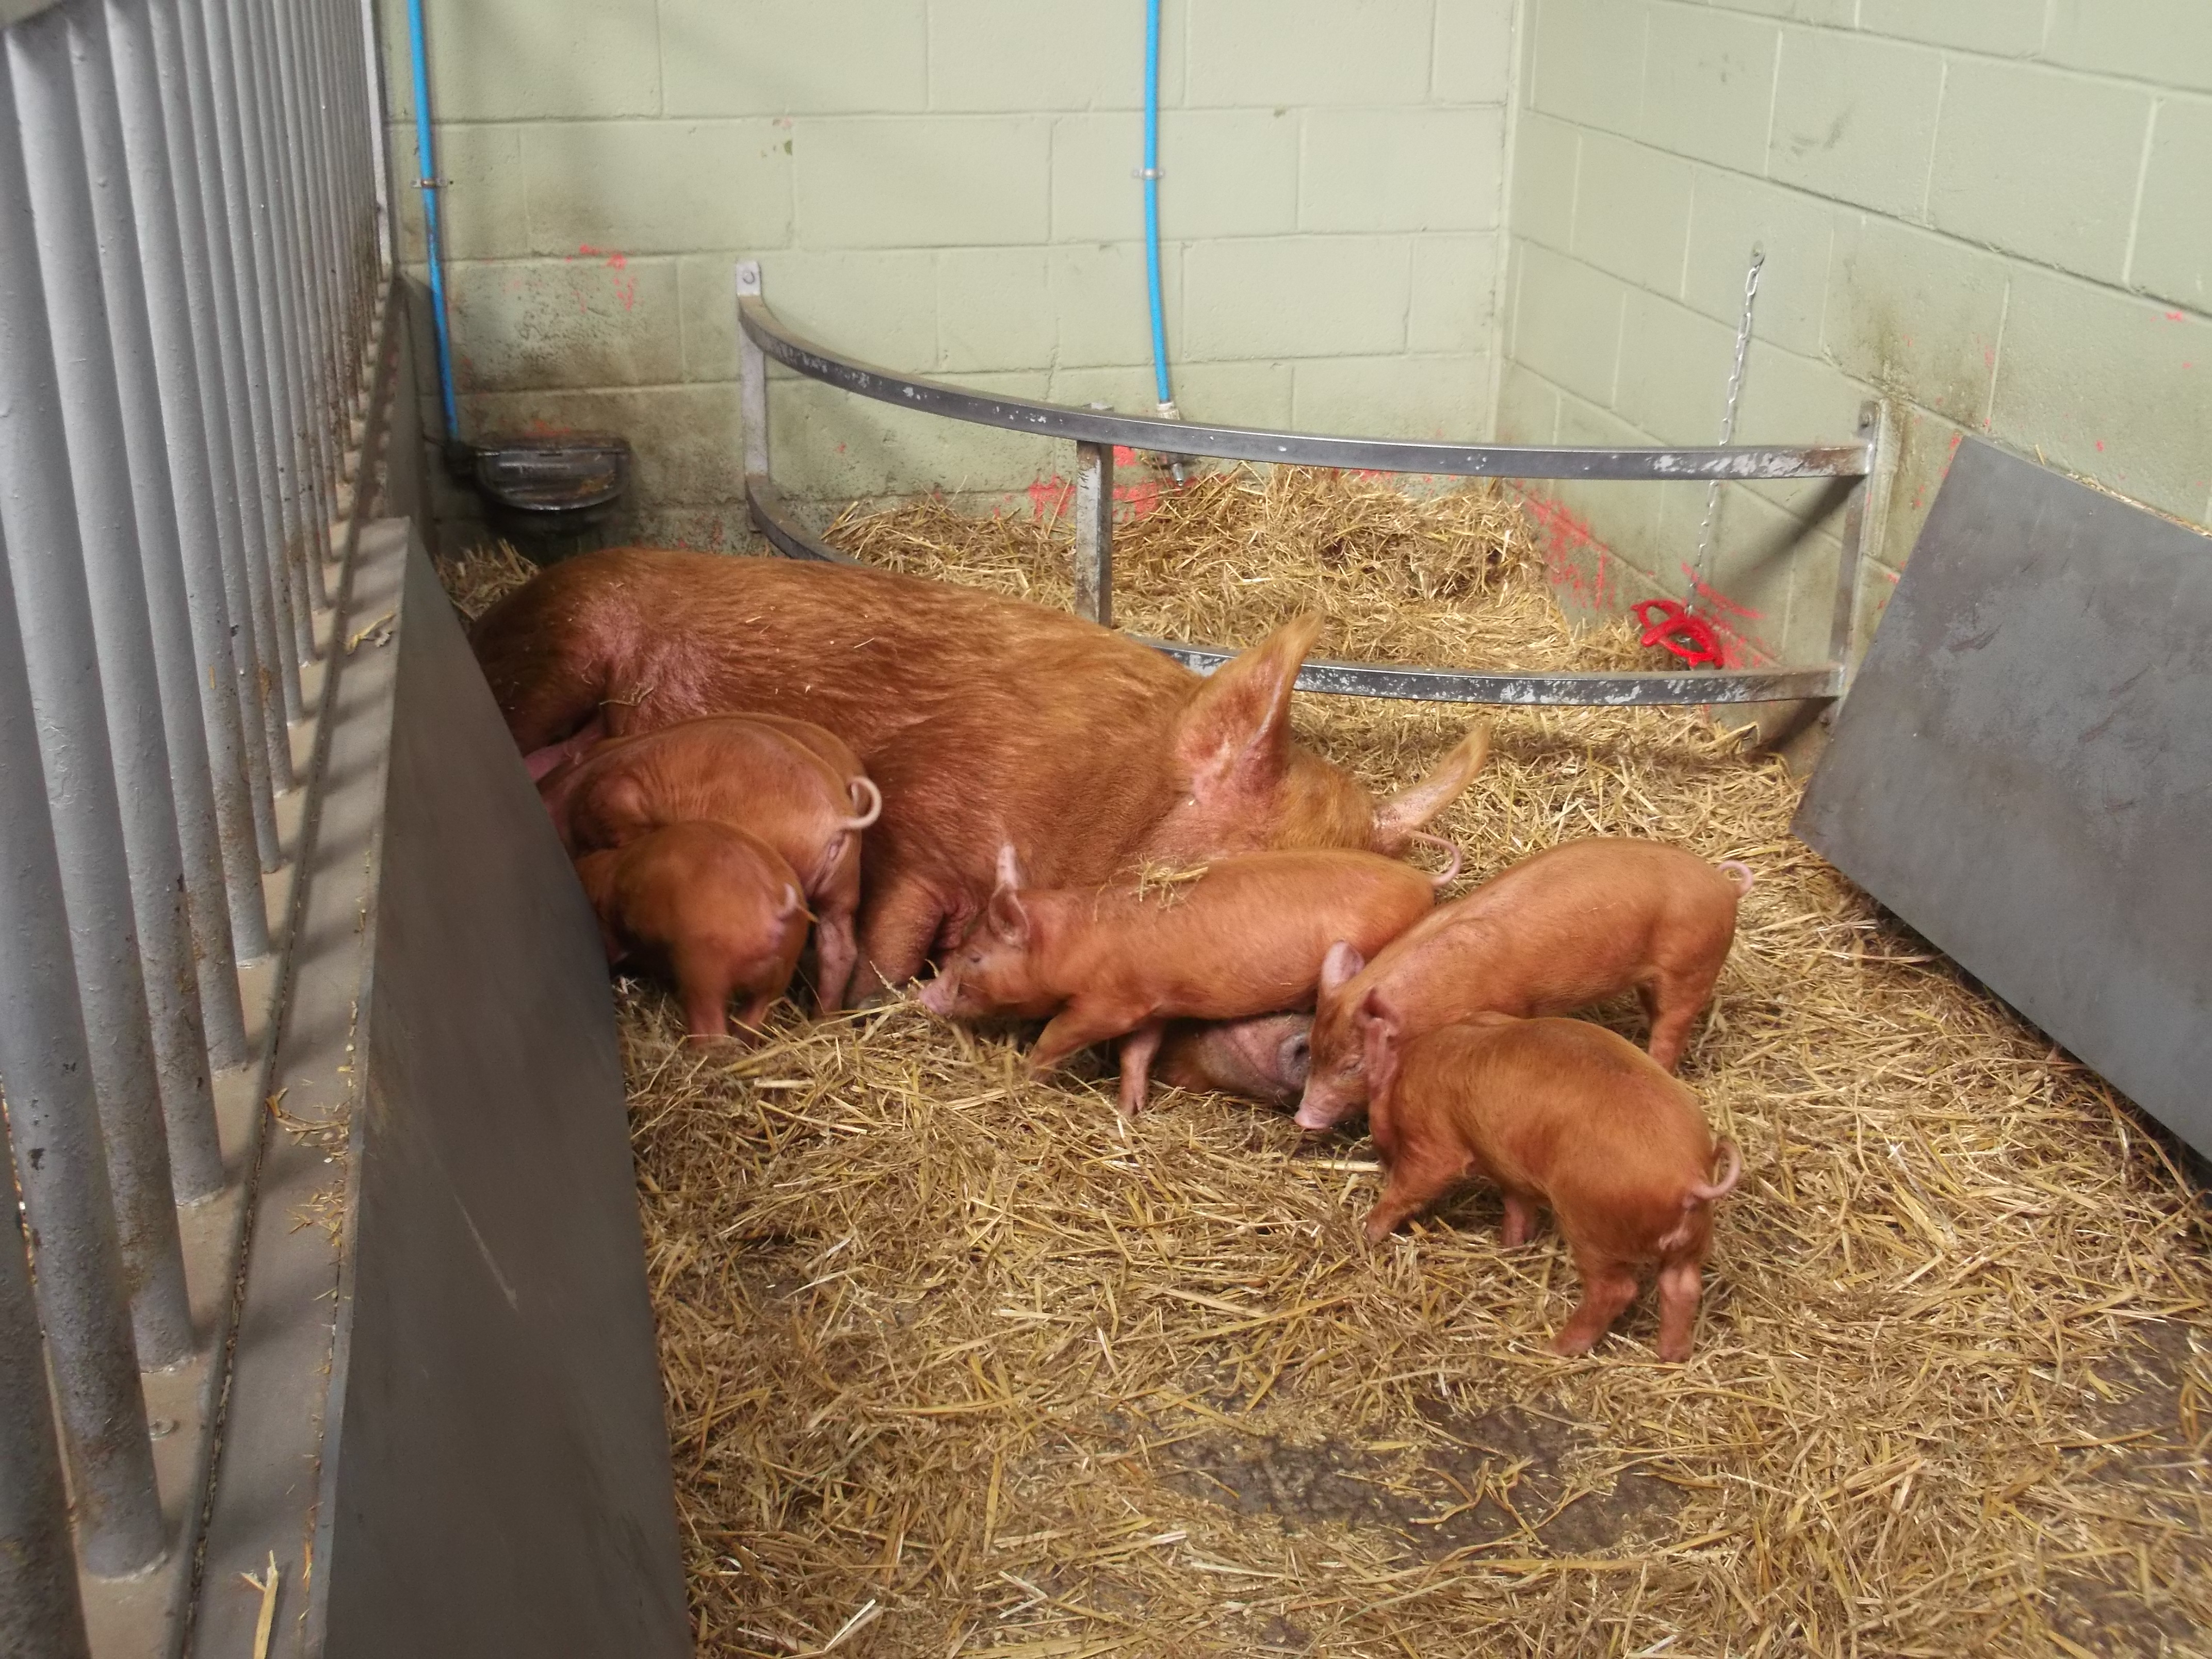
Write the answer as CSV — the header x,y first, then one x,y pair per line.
x,y
502,1481
2023,770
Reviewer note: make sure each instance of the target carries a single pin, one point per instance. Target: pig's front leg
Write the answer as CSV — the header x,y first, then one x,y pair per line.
x,y
1422,1171
1137,1051
901,924
1074,1028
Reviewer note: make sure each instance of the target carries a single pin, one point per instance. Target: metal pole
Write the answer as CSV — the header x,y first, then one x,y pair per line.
x,y
312,49
40,169
144,628
1842,622
378,229
254,432
328,391
53,1121
1094,533
40,1616
187,125
151,143
752,377
284,117
262,205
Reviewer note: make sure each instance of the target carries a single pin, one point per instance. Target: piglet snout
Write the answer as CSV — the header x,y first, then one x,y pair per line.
x,y
939,995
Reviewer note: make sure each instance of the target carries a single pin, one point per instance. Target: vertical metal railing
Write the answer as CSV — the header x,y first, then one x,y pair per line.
x,y
191,268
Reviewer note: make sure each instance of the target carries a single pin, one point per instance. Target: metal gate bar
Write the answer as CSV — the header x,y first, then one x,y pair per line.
x,y
1096,433
193,262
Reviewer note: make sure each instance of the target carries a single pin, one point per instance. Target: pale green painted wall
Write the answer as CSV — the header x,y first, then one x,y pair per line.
x,y
947,185
1996,215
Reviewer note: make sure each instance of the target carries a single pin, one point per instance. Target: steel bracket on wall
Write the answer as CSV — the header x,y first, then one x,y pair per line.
x,y
1096,433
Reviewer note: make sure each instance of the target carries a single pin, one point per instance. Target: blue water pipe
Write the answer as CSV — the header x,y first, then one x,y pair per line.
x,y
429,183
1152,177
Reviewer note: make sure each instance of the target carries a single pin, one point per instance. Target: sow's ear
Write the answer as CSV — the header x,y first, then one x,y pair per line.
x,y
1235,736
1414,805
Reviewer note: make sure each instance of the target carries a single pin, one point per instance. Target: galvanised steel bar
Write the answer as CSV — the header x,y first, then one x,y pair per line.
x,y
96,306
40,1615
776,521
187,121
54,1123
1842,621
42,153
376,226
283,156
759,324
188,557
330,384
249,87
1094,534
290,157
230,222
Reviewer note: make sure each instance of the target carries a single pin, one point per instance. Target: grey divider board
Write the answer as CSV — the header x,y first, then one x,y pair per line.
x,y
502,1481
2023,769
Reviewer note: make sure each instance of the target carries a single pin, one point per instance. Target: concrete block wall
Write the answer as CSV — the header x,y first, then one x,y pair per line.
x,y
948,186
1995,215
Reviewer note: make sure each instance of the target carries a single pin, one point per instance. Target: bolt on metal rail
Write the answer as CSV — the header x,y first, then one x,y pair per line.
x,y
194,266
764,338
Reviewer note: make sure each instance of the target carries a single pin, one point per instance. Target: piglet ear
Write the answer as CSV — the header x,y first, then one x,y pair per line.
x,y
1006,916
1342,961
1235,736
1417,803
1378,1042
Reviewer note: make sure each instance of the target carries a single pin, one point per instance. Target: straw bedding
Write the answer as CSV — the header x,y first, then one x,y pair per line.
x,y
958,1364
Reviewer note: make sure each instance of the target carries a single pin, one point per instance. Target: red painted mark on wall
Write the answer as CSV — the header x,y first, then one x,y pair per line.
x,y
2173,317
1051,498
624,285
1569,548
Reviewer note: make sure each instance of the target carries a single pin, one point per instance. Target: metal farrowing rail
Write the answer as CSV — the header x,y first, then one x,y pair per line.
x,y
193,282
1096,433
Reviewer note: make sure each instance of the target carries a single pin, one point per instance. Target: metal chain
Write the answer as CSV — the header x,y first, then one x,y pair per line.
x,y
1728,416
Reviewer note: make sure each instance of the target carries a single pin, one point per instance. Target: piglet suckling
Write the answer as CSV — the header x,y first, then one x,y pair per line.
x,y
796,785
1559,1113
713,907
1570,926
1245,937
1263,1058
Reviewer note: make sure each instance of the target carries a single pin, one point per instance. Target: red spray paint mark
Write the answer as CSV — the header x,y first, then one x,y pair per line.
x,y
2173,317
1712,595
625,286
2100,445
1568,545
1050,498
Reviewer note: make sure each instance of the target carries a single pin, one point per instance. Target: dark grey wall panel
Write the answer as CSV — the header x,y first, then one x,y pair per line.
x,y
502,1480
2023,769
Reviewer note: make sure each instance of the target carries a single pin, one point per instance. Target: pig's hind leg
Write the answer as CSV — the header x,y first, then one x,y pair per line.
x,y
835,953
1137,1051
1674,1000
1608,1287
1681,1283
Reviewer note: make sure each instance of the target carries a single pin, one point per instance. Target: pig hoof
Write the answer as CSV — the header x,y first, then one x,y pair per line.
x,y
1573,1347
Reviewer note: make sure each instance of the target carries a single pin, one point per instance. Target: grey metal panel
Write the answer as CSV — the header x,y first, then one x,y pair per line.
x,y
2023,769
498,1480
763,328
774,518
